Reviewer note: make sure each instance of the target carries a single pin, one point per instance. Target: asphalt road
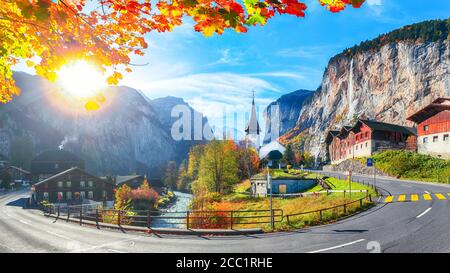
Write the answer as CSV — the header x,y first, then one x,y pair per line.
x,y
422,226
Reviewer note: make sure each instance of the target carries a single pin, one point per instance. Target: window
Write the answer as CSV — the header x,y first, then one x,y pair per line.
x,y
425,128
82,195
445,137
45,195
435,139
105,195
69,184
60,184
366,144
90,183
90,195
69,195
82,184
425,139
367,134
361,146
357,147
60,195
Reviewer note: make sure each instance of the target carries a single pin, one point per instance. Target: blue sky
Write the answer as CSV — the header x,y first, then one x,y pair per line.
x,y
217,74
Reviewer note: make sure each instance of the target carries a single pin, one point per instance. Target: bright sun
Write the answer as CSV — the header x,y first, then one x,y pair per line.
x,y
81,79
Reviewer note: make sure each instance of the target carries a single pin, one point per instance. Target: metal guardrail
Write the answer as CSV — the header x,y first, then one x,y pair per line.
x,y
145,218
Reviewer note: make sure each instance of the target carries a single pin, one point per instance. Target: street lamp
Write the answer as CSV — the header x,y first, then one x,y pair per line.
x,y
439,167
269,185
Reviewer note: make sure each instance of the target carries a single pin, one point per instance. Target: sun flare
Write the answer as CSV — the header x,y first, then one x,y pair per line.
x,y
81,79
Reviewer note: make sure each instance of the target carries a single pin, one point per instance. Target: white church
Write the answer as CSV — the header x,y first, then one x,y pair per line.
x,y
272,151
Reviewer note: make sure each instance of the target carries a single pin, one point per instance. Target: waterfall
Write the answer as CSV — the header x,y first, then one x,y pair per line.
x,y
350,93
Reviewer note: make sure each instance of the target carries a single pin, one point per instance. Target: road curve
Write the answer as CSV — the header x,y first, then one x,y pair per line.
x,y
393,227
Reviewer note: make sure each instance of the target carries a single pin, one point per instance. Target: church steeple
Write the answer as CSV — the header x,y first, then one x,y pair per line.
x,y
252,130
253,124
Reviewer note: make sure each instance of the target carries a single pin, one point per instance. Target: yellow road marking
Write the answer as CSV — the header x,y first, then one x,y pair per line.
x,y
440,196
414,197
401,198
427,197
389,199
448,194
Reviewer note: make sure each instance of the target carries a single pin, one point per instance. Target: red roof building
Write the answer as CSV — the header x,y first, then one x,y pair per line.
x,y
433,128
367,137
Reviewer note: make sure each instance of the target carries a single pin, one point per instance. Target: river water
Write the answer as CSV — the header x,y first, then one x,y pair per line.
x,y
178,209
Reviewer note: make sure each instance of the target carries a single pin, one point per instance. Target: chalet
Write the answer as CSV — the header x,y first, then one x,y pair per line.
x,y
367,137
433,128
19,175
50,163
73,186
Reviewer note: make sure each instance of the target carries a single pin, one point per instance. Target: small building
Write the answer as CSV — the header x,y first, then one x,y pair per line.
x,y
367,137
18,175
433,128
73,186
272,153
53,162
133,181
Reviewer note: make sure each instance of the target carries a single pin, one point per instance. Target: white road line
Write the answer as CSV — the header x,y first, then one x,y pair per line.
x,y
423,213
25,222
116,251
109,244
59,235
427,192
339,246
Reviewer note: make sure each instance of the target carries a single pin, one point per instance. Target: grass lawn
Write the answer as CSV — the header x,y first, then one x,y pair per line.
x,y
240,201
410,165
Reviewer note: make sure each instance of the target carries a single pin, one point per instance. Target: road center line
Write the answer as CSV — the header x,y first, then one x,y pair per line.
x,y
423,213
339,246
59,235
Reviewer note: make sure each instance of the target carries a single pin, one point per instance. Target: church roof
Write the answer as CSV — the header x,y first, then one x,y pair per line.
x,y
272,146
253,124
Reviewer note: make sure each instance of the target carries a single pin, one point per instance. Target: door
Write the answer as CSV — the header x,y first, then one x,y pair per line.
x,y
282,188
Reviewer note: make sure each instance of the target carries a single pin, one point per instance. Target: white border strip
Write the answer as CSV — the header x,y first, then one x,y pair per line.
x,y
423,213
339,246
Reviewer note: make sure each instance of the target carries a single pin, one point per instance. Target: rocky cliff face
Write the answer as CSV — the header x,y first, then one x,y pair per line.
x,y
385,85
289,107
125,136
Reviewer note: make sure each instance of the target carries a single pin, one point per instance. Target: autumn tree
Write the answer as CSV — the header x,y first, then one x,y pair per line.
x,y
107,32
144,197
289,155
171,175
248,161
195,155
184,179
218,166
124,200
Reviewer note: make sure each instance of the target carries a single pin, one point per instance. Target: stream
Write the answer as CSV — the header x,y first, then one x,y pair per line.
x,y
177,209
